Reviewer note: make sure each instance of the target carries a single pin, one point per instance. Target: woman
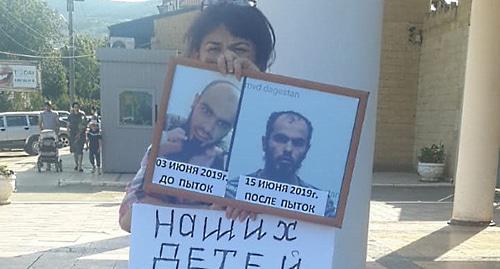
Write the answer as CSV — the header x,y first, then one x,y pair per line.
x,y
235,38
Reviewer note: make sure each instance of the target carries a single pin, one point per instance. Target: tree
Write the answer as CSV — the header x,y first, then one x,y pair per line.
x,y
54,81
30,27
87,87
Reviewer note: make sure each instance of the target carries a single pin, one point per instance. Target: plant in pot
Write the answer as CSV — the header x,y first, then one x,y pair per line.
x,y
7,184
431,163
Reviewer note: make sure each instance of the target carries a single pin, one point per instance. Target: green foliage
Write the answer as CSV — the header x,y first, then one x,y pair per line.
x,y
432,154
5,104
87,87
20,101
54,80
31,27
28,27
4,171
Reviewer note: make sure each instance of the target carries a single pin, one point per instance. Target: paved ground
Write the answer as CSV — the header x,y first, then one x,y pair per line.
x,y
69,220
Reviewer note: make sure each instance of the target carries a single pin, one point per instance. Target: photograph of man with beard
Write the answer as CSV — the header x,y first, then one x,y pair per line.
x,y
199,138
285,144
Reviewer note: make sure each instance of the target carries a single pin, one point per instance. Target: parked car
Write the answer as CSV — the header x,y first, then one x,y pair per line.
x,y
20,130
63,117
63,114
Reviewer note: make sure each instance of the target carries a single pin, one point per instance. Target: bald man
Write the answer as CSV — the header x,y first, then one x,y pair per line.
x,y
198,140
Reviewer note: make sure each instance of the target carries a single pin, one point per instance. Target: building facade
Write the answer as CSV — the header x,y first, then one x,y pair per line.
x,y
421,81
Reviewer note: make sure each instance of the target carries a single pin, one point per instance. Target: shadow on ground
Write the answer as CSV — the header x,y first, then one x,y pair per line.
x,y
75,256
428,248
426,251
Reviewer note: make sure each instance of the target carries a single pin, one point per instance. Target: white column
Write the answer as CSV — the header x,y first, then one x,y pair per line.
x,y
480,124
336,42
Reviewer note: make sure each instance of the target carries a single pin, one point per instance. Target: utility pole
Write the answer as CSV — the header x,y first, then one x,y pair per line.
x,y
71,8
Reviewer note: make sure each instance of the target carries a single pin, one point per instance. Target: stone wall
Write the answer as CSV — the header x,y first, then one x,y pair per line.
x,y
169,31
397,94
421,81
441,79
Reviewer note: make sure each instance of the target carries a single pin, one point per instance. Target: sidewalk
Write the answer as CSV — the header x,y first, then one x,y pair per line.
x,y
415,235
28,176
69,220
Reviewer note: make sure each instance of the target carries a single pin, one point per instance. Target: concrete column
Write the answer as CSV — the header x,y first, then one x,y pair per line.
x,y
480,124
336,42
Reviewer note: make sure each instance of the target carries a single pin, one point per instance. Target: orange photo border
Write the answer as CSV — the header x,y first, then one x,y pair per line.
x,y
336,221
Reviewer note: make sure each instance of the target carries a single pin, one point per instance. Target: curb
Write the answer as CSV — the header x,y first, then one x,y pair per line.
x,y
92,183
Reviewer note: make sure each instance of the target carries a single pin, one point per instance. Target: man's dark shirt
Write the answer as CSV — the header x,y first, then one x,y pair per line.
x,y
77,122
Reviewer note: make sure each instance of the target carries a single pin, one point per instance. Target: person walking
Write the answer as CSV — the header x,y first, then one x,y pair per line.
x,y
77,129
94,115
94,146
49,120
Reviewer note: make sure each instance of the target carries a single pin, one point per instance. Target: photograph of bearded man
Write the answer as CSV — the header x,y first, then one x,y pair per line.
x,y
285,145
199,138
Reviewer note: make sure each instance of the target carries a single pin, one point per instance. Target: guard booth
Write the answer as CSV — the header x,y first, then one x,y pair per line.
x,y
131,90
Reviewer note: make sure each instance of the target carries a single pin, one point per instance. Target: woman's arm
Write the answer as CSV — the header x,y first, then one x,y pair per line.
x,y
126,211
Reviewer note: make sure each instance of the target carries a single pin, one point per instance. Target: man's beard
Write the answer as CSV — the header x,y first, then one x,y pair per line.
x,y
282,172
195,146
190,148
195,143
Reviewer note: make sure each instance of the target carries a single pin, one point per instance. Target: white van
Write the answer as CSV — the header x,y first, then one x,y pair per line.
x,y
20,130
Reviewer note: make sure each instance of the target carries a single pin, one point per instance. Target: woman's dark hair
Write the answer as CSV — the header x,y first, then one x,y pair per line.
x,y
241,21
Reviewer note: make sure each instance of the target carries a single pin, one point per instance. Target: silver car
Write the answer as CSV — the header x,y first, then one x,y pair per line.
x,y
20,130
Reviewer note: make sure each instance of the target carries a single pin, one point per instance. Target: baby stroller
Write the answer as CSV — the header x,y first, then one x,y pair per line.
x,y
48,151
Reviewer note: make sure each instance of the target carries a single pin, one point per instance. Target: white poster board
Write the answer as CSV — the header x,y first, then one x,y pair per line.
x,y
165,238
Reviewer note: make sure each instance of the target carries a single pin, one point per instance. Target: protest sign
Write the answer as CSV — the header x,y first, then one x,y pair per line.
x,y
265,143
167,238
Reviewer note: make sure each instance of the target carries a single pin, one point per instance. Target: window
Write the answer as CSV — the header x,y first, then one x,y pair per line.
x,y
136,108
1,122
15,121
33,120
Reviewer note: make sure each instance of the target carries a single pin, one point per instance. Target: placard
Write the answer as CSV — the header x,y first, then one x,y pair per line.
x,y
264,143
164,237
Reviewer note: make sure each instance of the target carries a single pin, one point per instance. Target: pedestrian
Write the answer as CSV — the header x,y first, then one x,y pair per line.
x,y
94,116
77,129
94,146
49,120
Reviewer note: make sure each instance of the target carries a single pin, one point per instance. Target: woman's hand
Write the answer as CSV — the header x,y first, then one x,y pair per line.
x,y
230,63
126,219
175,139
235,213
